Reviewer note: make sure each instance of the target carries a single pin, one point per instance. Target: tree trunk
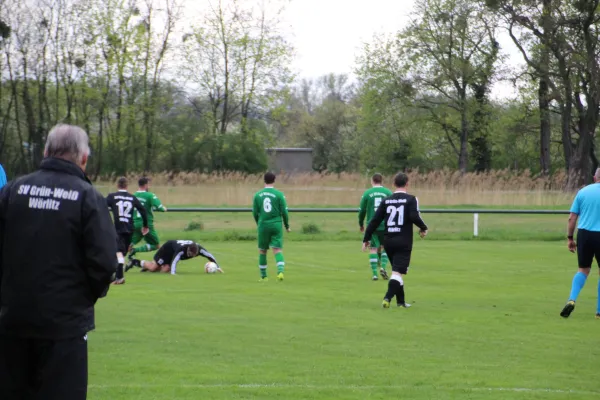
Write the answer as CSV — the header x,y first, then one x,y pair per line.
x,y
480,146
544,104
543,88
463,157
580,166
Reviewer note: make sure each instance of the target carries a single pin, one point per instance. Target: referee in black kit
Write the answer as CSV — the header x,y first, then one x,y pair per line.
x,y
57,258
400,211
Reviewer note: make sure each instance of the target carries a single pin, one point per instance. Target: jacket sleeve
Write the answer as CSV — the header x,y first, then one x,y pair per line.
x,y
142,210
157,204
415,214
284,211
99,242
204,253
174,263
375,222
362,211
255,209
4,195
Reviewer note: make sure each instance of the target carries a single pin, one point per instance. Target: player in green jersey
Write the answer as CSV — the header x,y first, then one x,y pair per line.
x,y
270,210
151,203
368,205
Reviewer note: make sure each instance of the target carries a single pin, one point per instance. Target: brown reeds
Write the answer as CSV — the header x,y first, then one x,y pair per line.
x,y
445,187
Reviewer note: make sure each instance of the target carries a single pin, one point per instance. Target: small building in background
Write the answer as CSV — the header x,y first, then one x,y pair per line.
x,y
290,160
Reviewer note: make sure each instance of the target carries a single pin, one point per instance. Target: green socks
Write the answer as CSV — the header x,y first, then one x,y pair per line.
x,y
145,248
373,260
280,262
262,264
384,260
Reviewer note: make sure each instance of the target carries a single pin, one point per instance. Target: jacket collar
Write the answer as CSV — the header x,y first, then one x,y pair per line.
x,y
67,167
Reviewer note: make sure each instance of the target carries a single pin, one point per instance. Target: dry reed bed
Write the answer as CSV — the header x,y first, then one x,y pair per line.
x,y
443,187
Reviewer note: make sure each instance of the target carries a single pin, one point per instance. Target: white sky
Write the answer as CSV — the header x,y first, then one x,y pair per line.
x,y
329,34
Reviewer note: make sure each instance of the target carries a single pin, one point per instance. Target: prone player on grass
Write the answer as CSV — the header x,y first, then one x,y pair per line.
x,y
169,254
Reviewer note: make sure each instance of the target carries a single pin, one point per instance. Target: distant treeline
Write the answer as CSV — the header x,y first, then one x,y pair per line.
x,y
156,94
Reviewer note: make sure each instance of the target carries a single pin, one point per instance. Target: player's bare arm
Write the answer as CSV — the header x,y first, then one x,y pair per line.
x,y
572,223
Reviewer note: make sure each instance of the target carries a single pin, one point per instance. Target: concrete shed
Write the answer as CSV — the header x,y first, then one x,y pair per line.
x,y
290,160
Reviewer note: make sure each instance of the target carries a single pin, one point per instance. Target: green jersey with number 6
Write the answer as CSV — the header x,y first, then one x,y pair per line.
x,y
269,207
370,202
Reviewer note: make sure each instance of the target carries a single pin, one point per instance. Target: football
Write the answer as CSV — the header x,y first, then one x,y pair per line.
x,y
210,267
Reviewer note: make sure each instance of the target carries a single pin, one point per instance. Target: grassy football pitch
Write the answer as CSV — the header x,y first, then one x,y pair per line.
x,y
484,325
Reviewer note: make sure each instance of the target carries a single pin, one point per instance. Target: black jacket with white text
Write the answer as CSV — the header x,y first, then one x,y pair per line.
x,y
57,252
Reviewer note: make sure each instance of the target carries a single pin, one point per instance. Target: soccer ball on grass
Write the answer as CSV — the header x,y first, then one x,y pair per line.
x,y
210,267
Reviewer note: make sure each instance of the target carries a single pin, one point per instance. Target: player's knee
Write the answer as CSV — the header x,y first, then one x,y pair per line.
x,y
165,269
261,251
151,266
585,270
276,250
397,277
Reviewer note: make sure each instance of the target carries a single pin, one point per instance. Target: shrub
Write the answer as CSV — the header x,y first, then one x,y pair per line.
x,y
310,228
194,226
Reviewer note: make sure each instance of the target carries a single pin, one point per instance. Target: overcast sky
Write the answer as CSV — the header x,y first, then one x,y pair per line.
x,y
329,34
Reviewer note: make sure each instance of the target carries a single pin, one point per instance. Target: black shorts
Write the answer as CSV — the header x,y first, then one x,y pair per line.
x,y
43,369
123,242
588,248
399,257
164,256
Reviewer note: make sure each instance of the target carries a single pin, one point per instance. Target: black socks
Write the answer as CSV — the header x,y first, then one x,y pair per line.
x,y
395,288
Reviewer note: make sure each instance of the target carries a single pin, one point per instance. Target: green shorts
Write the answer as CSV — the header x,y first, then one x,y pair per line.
x,y
270,236
151,238
377,239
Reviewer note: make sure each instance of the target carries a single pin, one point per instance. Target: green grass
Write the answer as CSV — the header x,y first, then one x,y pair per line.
x,y
344,226
484,325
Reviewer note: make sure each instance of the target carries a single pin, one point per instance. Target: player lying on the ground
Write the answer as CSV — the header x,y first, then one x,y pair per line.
x,y
170,253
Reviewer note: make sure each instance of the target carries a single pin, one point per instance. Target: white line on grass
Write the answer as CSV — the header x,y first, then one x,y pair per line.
x,y
332,387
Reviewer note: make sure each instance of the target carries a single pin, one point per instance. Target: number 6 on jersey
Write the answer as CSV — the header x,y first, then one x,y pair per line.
x,y
267,205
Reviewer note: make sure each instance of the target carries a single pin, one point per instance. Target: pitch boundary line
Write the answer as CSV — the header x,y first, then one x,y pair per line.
x,y
334,387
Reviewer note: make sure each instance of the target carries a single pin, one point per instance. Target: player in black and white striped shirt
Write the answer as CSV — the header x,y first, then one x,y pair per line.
x,y
169,254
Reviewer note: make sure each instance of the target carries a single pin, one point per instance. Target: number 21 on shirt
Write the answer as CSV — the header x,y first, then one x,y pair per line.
x,y
396,216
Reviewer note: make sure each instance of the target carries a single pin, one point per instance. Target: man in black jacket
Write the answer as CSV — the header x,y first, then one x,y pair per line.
x,y
47,296
400,211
